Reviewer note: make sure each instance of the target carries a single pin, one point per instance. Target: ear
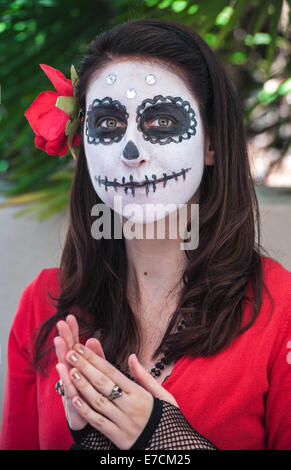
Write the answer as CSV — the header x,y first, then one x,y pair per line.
x,y
208,152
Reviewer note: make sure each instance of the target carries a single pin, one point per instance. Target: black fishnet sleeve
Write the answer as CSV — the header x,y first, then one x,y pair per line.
x,y
166,429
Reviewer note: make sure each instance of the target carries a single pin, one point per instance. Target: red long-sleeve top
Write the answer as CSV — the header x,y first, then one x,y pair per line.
x,y
239,398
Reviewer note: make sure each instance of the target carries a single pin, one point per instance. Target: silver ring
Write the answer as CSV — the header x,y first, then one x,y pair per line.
x,y
60,388
115,392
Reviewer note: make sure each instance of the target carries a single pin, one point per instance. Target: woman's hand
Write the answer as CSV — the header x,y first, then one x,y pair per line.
x,y
121,422
123,419
69,336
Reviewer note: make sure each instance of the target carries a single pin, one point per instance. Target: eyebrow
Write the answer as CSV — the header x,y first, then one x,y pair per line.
x,y
103,110
159,100
157,109
107,105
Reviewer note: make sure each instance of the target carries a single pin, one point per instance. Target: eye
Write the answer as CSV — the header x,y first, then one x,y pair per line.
x,y
109,123
162,121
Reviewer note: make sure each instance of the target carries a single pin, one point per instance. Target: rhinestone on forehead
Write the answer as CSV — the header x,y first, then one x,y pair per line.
x,y
130,93
150,79
111,78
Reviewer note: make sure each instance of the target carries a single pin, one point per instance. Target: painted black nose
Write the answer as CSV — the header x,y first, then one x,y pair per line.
x,y
130,151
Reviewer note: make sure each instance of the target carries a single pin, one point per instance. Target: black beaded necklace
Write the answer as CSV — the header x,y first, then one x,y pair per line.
x,y
159,365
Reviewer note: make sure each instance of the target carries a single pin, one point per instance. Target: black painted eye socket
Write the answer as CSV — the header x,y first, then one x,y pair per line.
x,y
178,116
106,121
154,115
100,121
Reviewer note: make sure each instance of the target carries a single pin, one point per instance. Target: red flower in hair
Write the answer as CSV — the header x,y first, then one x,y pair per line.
x,y
48,121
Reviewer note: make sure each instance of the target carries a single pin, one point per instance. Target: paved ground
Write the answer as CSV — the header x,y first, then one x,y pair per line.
x,y
27,246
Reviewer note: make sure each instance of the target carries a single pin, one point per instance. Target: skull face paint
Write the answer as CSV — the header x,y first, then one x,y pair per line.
x,y
147,147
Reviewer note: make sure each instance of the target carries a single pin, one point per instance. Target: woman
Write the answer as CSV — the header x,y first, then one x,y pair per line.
x,y
218,315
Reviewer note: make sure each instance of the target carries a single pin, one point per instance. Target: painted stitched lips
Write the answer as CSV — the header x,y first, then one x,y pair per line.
x,y
146,183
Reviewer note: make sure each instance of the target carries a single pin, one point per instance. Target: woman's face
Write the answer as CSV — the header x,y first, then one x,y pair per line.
x,y
143,137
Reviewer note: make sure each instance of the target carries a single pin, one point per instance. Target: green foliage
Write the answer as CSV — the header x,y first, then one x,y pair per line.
x,y
250,37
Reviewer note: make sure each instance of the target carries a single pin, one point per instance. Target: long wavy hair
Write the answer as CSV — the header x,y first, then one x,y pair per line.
x,y
93,274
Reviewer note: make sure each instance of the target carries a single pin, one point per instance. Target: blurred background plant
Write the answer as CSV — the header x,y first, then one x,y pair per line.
x,y
250,36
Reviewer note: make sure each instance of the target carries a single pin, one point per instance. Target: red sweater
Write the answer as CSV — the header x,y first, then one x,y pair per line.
x,y
238,399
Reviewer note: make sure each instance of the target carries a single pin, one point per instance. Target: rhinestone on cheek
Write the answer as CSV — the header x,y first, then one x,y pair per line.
x,y
130,93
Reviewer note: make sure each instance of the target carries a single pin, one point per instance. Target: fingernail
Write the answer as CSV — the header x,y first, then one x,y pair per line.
x,y
76,375
79,402
74,357
80,349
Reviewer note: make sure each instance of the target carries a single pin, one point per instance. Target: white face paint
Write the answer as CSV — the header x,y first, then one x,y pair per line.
x,y
143,137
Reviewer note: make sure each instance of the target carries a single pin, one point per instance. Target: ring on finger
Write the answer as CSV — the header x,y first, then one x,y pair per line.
x,y
60,388
116,392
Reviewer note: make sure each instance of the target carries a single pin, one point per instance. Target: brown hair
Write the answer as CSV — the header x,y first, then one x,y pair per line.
x,y
93,273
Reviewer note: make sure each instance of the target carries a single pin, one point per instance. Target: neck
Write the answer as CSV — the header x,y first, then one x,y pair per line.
x,y
156,266
155,262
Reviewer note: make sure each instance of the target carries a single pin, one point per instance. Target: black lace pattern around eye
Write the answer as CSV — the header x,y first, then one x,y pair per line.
x,y
102,110
176,109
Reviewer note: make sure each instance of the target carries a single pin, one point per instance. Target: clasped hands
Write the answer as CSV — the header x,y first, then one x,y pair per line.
x,y
88,379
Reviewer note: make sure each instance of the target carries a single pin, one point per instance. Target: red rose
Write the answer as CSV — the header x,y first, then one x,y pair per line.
x,y
47,121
